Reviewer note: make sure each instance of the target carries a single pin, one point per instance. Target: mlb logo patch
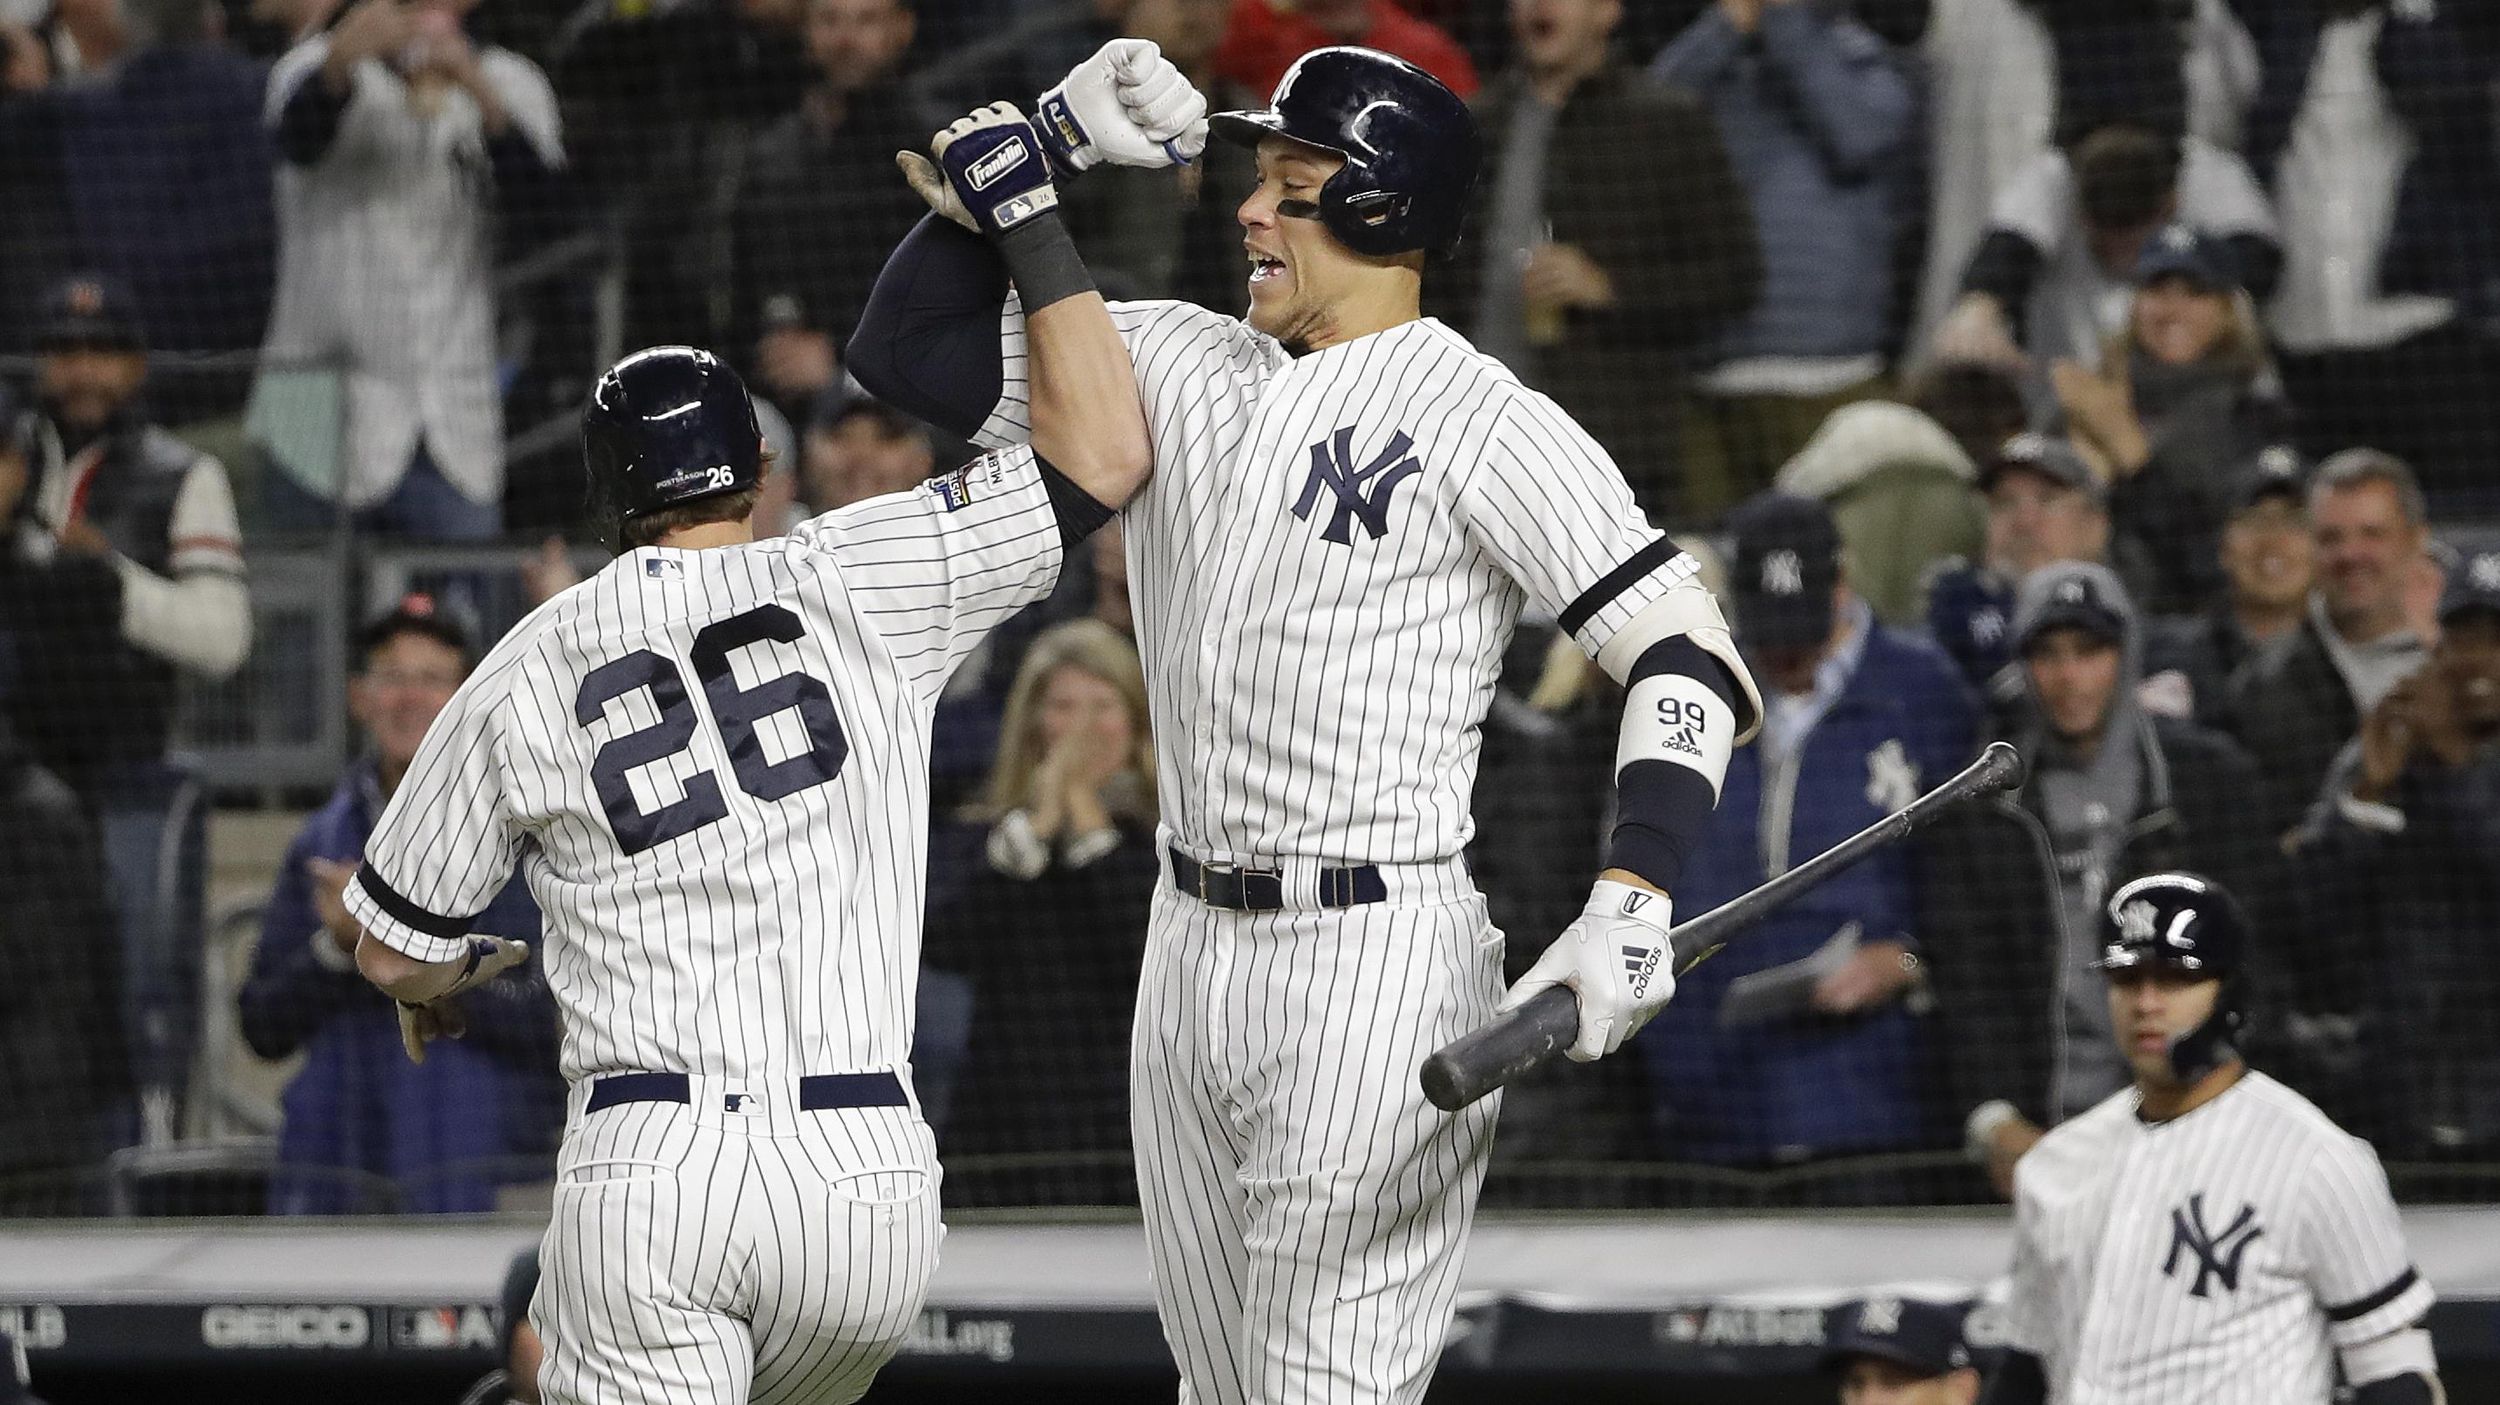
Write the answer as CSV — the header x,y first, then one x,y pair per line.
x,y
660,568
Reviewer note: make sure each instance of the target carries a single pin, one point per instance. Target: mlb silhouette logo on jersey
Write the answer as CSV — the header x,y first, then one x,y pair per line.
x,y
1365,492
2217,1255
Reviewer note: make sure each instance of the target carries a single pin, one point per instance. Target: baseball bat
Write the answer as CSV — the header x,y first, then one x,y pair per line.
x,y
1475,1064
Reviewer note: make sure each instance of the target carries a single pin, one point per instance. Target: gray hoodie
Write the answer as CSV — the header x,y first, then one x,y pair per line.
x,y
2087,805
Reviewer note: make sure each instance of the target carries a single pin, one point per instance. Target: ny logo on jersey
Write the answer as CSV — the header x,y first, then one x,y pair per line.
x,y
1361,492
2217,1255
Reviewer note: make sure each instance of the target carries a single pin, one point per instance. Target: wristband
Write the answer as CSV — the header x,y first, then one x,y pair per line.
x,y
1043,261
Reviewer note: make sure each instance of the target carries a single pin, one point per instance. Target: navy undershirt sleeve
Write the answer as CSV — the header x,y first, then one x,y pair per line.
x,y
927,343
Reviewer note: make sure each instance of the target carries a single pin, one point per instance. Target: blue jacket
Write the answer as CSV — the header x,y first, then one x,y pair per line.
x,y
358,1104
1793,1088
1817,117
2445,238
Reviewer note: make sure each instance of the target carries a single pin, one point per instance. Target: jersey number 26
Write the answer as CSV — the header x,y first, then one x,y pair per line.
x,y
735,710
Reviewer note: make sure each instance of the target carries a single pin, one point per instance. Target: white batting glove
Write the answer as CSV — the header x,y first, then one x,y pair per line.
x,y
1126,105
1616,955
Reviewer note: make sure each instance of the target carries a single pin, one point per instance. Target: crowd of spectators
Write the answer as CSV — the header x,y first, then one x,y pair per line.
x,y
1983,349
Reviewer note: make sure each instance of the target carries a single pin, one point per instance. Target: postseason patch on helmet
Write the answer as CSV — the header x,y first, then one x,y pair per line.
x,y
981,478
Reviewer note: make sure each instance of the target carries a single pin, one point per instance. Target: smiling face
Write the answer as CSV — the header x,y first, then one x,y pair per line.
x,y
1298,270
2150,1007
2469,655
2269,556
1075,701
407,682
2177,323
2366,552
2074,673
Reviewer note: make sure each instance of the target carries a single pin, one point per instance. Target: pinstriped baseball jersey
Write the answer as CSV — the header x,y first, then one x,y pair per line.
x,y
1327,565
714,765
2209,1260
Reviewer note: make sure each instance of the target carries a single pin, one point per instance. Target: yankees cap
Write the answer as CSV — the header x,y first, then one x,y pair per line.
x,y
1924,1336
2079,601
2473,584
2048,456
2276,472
1786,560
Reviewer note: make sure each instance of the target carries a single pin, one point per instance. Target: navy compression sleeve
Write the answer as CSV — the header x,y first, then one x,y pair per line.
x,y
927,343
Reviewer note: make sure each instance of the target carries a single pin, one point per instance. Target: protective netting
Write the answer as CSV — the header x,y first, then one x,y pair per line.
x,y
2140,353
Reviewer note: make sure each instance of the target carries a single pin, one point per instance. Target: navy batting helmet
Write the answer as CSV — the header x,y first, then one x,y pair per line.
x,y
1410,147
665,426
2188,924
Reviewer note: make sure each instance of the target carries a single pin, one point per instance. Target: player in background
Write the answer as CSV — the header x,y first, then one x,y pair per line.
x,y
1350,508
711,759
2206,1236
1899,1351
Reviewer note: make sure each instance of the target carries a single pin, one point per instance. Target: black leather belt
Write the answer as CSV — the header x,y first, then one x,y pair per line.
x,y
819,1092
1239,889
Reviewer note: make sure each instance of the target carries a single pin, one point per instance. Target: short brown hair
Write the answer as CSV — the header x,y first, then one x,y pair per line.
x,y
647,530
2125,176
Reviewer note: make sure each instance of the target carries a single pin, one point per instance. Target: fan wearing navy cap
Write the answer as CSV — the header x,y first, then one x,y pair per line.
x,y
2015,887
121,570
2268,560
1799,1042
2182,399
1900,1351
2045,504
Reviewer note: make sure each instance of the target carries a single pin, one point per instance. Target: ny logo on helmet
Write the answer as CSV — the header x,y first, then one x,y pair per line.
x,y
2135,922
1364,492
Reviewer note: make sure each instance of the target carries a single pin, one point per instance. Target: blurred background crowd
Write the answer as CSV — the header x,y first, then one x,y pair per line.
x,y
2117,377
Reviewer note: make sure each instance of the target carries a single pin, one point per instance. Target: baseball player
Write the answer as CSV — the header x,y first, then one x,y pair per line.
x,y
2207,1235
1350,507
712,760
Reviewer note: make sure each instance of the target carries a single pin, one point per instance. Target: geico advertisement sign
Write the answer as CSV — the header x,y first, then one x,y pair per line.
x,y
268,1326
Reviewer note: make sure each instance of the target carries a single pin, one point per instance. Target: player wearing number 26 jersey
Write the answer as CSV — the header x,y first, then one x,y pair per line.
x,y
710,760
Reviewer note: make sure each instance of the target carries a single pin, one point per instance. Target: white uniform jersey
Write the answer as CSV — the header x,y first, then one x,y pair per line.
x,y
714,765
2209,1260
1327,565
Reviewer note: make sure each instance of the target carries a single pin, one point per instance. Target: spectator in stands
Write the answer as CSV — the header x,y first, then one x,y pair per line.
x,y
1051,927
1800,1042
359,1106
124,572
2006,78
2049,278
399,138
85,40
2180,403
152,170
820,206
2044,505
2373,127
2013,889
1266,36
661,103
61,1047
2294,707
2398,875
1593,273
1818,117
1899,1351
2268,564
1900,479
856,447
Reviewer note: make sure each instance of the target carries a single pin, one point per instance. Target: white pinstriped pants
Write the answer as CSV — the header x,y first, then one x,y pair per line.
x,y
698,1255
1306,1209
